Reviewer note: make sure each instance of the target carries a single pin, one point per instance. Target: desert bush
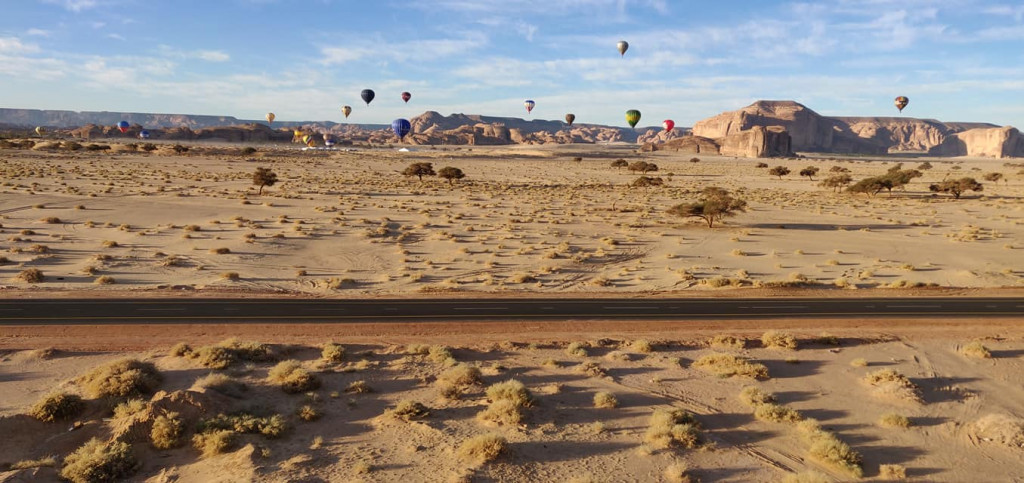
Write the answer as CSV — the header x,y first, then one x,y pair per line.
x,y
859,362
727,342
483,448
269,426
576,349
828,449
774,339
754,397
410,410
510,390
57,406
104,280
806,477
605,400
676,472
333,352
976,349
358,387
502,411
672,426
222,384
776,413
181,349
887,382
44,462
728,365
30,275
121,378
451,174
292,377
213,357
227,352
641,345
591,369
1001,429
893,420
308,413
461,375
96,461
220,251
130,408
215,442
892,472
441,354
167,431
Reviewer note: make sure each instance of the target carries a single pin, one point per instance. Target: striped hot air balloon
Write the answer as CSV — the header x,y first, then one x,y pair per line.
x,y
529,105
632,117
901,102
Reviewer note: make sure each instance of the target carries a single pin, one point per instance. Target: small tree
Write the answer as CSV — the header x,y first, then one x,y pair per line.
x,y
779,171
870,186
620,163
263,177
419,170
761,165
449,173
837,181
838,169
956,186
924,166
809,172
993,177
899,178
714,205
643,166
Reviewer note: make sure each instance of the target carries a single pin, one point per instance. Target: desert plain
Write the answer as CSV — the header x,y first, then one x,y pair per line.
x,y
796,400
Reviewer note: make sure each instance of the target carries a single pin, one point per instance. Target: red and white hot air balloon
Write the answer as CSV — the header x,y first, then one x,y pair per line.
x,y
668,124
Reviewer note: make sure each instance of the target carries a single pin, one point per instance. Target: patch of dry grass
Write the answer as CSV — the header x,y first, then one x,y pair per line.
x,y
976,350
728,365
97,461
576,349
215,442
828,449
333,352
723,341
892,472
672,426
410,410
57,406
774,339
893,420
776,413
892,384
167,431
121,378
483,448
605,400
292,377
806,477
44,462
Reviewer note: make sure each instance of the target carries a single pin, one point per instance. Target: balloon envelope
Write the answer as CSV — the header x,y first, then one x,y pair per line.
x,y
270,117
901,102
367,96
123,126
346,110
668,124
623,46
144,134
406,96
569,118
529,105
401,127
40,130
632,117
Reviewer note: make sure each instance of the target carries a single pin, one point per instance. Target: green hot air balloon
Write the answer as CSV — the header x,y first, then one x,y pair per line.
x,y
632,117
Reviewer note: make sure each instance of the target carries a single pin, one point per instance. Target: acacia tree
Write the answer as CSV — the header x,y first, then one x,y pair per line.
x,y
899,178
837,181
263,177
779,171
449,173
870,186
419,170
809,172
714,204
956,187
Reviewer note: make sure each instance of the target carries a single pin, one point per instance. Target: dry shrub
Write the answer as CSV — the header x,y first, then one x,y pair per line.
x,y
728,365
975,349
591,369
774,339
892,384
441,355
828,449
806,477
641,345
502,411
417,349
121,378
215,442
130,408
46,461
105,280
333,352
181,349
728,342
605,400
510,390
676,473
461,376
358,387
308,413
859,362
892,472
753,397
672,426
617,356
227,352
96,461
483,448
409,410
776,413
893,420
576,349
30,275
222,384
1001,429
57,406
167,431
292,377
268,426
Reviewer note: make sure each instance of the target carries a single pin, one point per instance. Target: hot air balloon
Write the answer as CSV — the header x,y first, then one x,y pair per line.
x,y
367,95
406,96
328,140
346,110
41,130
401,127
632,117
123,126
623,47
144,134
668,124
270,117
569,118
307,139
901,102
529,105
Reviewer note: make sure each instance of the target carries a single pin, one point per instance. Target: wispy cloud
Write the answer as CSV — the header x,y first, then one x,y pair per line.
x,y
207,55
419,50
14,45
74,5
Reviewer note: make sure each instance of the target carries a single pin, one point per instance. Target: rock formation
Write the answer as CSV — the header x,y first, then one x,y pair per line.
x,y
996,142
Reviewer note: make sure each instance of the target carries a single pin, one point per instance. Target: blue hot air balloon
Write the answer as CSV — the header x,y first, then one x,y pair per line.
x,y
123,126
401,127
529,105
144,134
328,140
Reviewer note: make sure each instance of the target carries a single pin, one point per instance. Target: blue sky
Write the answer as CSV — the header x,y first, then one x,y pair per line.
x,y
957,60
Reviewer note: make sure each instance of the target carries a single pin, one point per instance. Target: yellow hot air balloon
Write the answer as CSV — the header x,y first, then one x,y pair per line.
x,y
307,139
632,117
346,110
41,130
270,117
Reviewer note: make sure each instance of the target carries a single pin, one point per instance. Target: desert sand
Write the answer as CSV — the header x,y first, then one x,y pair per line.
x,y
555,219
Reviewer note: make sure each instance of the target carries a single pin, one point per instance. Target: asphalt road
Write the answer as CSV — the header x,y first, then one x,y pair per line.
x,y
177,311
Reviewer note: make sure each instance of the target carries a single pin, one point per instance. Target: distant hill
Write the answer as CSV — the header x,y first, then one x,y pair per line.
x,y
30,118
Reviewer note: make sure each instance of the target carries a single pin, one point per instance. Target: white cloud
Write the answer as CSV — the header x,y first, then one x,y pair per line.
x,y
206,55
37,33
14,45
213,55
418,50
74,5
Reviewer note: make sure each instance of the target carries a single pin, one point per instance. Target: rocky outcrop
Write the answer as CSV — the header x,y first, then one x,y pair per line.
x,y
686,144
757,142
995,142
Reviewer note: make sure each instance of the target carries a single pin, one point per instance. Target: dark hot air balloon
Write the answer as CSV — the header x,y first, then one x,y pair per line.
x,y
367,95
569,118
401,127
623,46
529,105
668,124
901,102
632,117
123,126
406,96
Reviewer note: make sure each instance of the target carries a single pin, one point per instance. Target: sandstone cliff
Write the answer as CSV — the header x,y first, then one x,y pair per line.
x,y
756,142
995,142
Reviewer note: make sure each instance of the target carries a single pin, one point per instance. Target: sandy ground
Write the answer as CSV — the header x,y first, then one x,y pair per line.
x,y
562,435
525,219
